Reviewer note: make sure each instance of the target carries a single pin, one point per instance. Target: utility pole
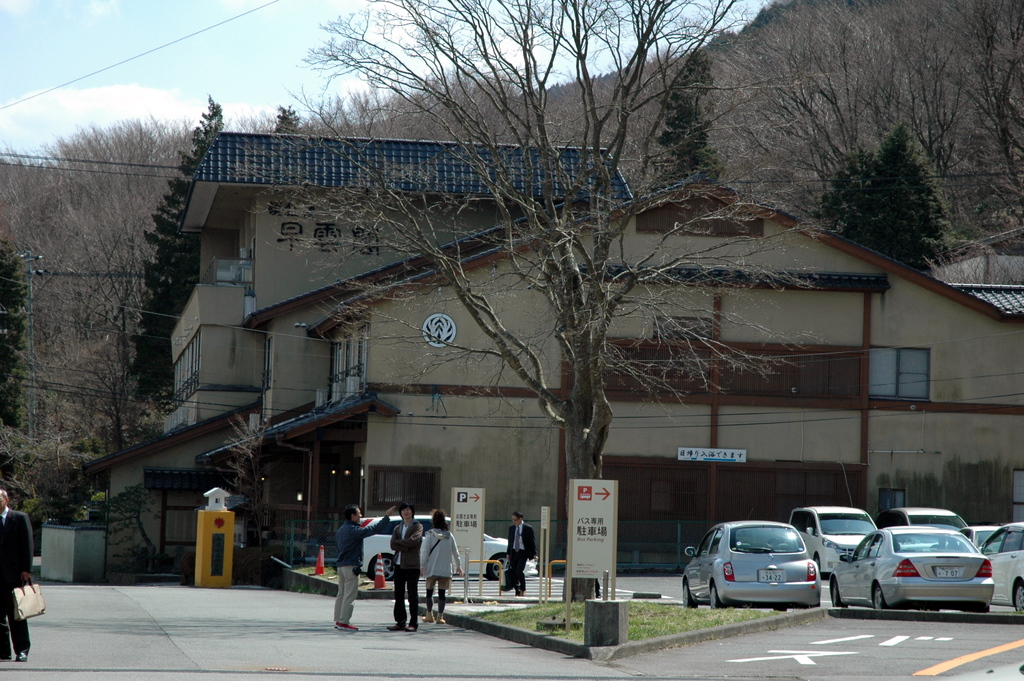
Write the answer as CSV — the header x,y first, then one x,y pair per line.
x,y
29,271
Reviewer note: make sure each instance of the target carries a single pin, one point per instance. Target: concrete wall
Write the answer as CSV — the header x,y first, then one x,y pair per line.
x,y
73,554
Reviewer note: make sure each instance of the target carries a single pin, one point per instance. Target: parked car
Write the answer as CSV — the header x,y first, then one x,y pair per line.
x,y
494,549
751,563
914,566
1005,548
830,531
979,533
919,516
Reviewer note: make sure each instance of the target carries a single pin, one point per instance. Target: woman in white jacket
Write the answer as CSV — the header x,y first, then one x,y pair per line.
x,y
439,558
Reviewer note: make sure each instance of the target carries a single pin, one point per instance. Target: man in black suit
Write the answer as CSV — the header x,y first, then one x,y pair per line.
x,y
16,551
521,548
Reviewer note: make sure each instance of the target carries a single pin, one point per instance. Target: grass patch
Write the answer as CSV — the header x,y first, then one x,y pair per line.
x,y
646,620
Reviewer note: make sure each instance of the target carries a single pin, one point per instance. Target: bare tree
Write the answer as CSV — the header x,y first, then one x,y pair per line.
x,y
833,77
248,468
84,207
547,103
993,44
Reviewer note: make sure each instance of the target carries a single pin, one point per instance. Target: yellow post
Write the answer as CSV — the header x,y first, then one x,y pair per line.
x,y
215,542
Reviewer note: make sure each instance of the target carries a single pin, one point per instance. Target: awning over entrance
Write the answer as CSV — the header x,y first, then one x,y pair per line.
x,y
310,423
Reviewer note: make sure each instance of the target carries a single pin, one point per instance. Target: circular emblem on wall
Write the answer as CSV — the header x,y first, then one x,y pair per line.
x,y
439,330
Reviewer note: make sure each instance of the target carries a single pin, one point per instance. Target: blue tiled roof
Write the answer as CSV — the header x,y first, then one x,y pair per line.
x,y
436,167
1009,299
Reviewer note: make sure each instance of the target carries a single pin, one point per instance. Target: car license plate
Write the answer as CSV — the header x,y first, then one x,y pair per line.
x,y
944,572
771,576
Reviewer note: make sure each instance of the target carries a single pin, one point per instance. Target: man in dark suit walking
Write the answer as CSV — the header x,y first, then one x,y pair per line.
x,y
521,548
16,551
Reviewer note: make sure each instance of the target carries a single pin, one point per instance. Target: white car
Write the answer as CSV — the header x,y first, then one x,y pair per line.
x,y
1005,548
830,532
979,533
494,549
913,515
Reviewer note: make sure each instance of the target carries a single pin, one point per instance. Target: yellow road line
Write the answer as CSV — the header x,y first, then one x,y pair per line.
x,y
964,659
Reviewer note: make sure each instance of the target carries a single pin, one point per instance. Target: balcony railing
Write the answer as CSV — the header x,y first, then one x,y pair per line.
x,y
229,272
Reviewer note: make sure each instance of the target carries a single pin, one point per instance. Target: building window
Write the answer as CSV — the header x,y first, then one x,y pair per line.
x,y
891,498
391,485
348,364
899,372
186,372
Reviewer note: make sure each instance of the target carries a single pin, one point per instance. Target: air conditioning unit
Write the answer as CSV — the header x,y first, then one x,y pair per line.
x,y
352,385
321,397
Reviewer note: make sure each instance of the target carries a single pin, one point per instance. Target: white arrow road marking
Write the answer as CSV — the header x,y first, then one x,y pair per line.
x,y
842,640
801,656
894,640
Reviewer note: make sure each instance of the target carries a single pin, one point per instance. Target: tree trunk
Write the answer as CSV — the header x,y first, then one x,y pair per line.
x,y
588,419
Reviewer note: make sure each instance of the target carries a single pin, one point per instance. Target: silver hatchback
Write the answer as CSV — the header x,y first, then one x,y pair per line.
x,y
751,563
914,566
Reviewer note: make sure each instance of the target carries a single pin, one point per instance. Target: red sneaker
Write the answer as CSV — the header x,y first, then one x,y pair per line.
x,y
345,627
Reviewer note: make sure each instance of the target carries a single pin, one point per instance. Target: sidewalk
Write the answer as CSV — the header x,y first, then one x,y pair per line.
x,y
173,632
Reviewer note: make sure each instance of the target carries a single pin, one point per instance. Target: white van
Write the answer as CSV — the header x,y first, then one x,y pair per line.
x,y
830,531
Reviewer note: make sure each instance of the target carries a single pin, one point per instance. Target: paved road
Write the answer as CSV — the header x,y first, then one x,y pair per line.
x,y
842,650
170,632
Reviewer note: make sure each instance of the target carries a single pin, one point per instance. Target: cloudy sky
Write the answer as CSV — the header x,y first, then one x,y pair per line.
x,y
250,63
66,64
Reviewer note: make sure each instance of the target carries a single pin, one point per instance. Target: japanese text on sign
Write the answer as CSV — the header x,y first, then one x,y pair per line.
x,y
704,454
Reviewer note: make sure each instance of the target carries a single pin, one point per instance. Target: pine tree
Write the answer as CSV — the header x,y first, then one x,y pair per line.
x,y
888,201
288,121
13,296
174,270
688,124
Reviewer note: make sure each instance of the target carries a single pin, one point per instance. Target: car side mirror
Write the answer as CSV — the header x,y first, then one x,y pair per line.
x,y
845,558
690,551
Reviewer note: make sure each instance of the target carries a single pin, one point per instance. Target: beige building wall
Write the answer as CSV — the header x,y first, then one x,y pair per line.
x,y
299,249
301,364
399,354
974,358
793,317
503,445
131,472
786,434
961,461
658,430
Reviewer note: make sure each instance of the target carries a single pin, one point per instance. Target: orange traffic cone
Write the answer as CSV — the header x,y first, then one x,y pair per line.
x,y
320,562
378,578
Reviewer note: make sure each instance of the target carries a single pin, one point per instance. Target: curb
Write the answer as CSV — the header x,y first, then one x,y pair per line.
x,y
925,616
299,581
608,653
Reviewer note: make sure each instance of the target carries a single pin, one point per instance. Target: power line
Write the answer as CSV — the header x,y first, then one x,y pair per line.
x,y
142,54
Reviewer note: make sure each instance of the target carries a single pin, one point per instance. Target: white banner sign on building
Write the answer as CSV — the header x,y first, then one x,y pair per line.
x,y
705,454
593,529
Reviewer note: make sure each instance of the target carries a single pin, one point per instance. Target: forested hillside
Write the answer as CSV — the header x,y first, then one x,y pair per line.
x,y
816,81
